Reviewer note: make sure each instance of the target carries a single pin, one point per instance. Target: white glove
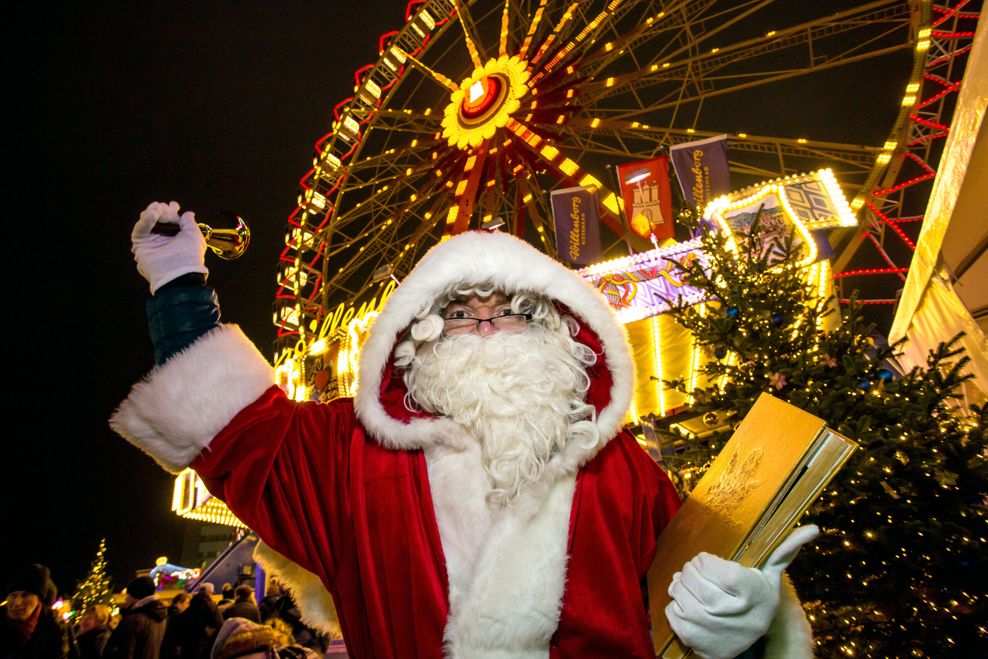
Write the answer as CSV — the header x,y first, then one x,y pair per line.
x,y
720,608
161,259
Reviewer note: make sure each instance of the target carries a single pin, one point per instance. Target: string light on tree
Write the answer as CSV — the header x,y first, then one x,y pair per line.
x,y
905,522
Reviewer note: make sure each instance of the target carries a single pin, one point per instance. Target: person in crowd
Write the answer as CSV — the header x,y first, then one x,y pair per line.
x,y
29,629
169,646
94,631
226,597
142,629
240,638
243,605
269,606
197,626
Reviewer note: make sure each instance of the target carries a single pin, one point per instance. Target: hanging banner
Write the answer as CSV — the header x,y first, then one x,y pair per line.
x,y
574,213
701,169
647,197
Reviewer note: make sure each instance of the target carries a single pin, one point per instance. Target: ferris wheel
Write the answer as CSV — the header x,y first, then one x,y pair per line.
x,y
475,110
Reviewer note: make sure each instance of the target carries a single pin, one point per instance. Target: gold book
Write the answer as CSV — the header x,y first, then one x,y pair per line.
x,y
774,466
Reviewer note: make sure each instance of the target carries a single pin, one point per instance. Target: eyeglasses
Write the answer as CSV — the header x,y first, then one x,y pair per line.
x,y
509,322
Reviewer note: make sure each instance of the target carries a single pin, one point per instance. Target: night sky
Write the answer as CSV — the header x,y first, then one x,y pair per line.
x,y
214,104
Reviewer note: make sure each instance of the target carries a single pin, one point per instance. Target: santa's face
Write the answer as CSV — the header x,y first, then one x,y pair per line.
x,y
483,315
516,386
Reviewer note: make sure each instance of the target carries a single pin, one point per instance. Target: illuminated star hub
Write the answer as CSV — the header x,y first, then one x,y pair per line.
x,y
484,102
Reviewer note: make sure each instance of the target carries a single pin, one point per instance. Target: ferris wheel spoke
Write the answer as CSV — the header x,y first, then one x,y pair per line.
x,y
392,121
469,32
389,161
465,192
533,28
554,158
585,39
662,30
561,27
885,21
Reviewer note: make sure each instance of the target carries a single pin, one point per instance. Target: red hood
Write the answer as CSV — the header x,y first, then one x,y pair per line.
x,y
508,264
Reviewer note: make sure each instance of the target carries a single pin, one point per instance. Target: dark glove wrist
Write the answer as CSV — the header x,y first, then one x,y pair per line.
x,y
179,313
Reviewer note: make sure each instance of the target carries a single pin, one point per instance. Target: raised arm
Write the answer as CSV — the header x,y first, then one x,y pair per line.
x,y
211,403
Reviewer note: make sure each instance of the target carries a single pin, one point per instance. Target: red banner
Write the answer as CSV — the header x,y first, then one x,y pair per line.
x,y
647,197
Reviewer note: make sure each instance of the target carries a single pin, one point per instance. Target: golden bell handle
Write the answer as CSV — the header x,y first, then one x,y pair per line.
x,y
228,244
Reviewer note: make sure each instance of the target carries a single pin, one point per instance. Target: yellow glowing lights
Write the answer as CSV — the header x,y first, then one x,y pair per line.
x,y
550,152
609,202
595,122
659,374
841,214
477,91
330,162
923,39
569,167
191,500
349,127
484,102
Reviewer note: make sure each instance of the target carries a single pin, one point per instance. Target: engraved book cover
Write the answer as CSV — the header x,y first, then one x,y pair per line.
x,y
777,462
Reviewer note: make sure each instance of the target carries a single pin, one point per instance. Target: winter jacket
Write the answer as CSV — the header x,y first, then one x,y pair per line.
x,y
92,643
242,610
51,639
141,631
196,627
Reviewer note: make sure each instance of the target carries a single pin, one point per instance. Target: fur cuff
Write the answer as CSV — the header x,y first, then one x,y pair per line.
x,y
314,601
789,636
181,405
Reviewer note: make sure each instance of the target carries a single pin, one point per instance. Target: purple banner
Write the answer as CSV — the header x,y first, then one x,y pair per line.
x,y
702,170
574,212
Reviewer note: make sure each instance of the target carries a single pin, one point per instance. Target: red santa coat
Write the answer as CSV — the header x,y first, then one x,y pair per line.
x,y
361,517
385,508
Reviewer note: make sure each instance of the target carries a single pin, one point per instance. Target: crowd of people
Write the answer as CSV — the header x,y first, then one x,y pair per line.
x,y
147,626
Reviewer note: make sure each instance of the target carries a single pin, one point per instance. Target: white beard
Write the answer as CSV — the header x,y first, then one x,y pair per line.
x,y
520,394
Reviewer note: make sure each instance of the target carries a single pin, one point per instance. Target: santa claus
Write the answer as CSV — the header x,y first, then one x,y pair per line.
x,y
479,497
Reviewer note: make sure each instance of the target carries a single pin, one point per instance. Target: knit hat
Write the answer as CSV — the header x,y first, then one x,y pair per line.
x,y
141,587
240,636
34,578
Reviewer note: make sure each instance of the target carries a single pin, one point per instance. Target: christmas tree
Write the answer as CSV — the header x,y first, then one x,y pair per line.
x,y
900,568
95,588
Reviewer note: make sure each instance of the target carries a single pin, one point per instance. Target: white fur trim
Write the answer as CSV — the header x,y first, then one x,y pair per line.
x,y
175,412
314,601
506,568
512,265
789,636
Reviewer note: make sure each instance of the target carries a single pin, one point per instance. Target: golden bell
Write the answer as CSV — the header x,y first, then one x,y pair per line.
x,y
228,244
